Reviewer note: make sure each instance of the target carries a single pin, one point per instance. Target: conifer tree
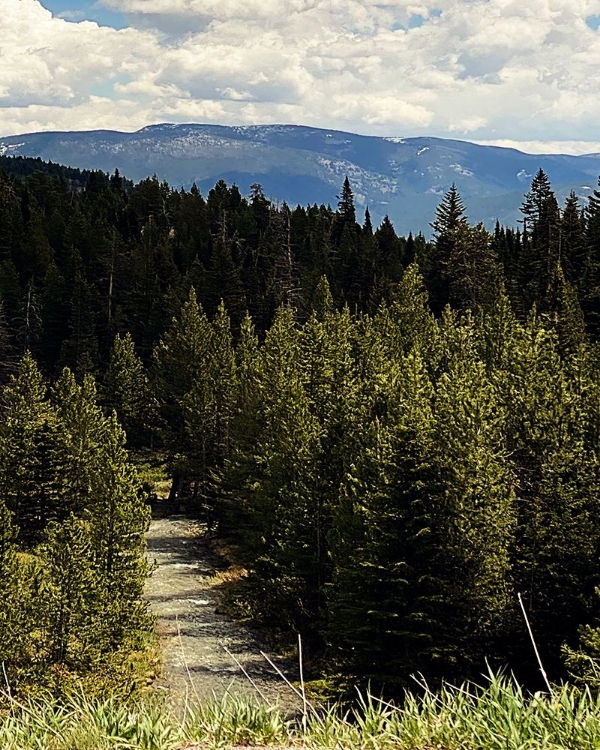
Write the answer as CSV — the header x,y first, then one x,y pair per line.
x,y
15,591
118,519
78,433
127,390
24,452
224,281
209,406
541,237
591,291
71,609
472,514
80,350
556,486
574,256
472,270
390,258
565,313
322,301
376,618
411,314
449,220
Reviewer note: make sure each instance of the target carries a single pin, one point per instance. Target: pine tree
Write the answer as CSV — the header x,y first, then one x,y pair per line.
x,y
390,258
118,519
127,390
409,310
353,252
376,622
208,409
224,280
78,433
565,313
591,285
541,237
322,300
24,452
16,578
472,271
574,256
346,211
70,608
269,478
80,350
179,361
449,220
556,486
472,519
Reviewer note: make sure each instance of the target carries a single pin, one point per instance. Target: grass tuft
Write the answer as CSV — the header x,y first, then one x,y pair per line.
x,y
497,716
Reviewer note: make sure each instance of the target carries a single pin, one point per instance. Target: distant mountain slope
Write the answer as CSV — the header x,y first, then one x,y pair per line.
x,y
403,177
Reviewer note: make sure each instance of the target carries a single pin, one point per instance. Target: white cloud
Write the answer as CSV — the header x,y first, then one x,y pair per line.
x,y
481,69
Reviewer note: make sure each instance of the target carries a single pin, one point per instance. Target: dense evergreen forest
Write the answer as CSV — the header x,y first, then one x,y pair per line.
x,y
397,435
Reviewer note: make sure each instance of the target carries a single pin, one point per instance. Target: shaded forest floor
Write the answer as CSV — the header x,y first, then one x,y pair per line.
x,y
195,637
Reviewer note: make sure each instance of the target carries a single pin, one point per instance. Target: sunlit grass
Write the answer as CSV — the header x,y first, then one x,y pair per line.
x,y
498,716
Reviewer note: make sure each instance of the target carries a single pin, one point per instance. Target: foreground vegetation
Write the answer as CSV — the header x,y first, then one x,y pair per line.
x,y
497,717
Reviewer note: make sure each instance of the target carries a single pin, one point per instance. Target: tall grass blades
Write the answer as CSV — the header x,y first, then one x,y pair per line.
x,y
496,716
236,721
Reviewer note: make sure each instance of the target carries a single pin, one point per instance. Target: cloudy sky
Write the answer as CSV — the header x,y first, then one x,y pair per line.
x,y
512,72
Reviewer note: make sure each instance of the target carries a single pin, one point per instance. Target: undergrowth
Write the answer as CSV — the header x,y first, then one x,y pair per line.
x,y
499,716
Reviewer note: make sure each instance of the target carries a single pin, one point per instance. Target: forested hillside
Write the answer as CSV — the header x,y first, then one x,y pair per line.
x,y
398,436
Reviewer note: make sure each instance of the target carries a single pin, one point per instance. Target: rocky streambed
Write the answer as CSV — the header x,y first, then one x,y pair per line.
x,y
205,653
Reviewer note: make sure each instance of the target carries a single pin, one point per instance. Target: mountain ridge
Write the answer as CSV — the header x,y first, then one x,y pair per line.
x,y
404,178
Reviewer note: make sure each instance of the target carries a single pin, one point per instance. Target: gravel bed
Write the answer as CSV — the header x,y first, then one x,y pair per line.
x,y
194,637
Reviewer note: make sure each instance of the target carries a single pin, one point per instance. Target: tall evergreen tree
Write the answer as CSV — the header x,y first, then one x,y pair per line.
x,y
178,365
24,452
541,238
127,390
449,220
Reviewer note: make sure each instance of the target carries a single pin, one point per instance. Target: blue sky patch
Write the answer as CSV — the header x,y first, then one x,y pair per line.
x,y
417,20
84,10
593,22
106,88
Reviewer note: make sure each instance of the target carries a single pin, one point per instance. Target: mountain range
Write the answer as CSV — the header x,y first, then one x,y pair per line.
x,y
404,178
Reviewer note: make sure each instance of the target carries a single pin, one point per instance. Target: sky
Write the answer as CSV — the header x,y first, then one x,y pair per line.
x,y
522,73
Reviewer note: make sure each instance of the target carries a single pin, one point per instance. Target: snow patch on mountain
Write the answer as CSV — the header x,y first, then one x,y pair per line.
x,y
362,180
6,148
459,169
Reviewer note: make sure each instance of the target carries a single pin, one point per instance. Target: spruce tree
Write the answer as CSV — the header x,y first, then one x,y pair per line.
x,y
472,271
25,472
541,238
574,256
208,409
118,518
78,433
377,622
127,390
179,361
449,220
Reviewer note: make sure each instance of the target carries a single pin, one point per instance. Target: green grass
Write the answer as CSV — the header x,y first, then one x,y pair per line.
x,y
499,716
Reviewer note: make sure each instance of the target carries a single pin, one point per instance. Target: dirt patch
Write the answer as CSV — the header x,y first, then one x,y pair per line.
x,y
194,637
